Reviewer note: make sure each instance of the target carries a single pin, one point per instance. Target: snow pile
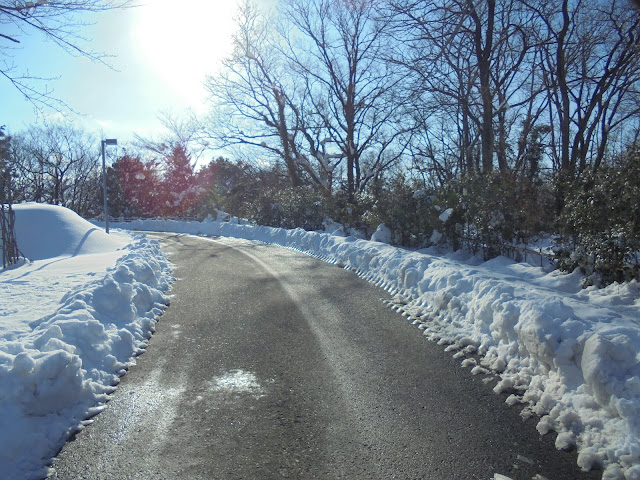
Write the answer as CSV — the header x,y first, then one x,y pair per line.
x,y
48,231
58,369
571,355
382,234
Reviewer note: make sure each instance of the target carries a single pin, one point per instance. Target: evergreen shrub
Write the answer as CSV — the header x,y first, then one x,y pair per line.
x,y
600,223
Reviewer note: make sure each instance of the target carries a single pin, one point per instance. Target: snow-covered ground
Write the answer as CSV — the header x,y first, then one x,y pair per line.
x,y
572,356
72,320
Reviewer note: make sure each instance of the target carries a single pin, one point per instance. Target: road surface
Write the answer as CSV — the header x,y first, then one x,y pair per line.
x,y
271,364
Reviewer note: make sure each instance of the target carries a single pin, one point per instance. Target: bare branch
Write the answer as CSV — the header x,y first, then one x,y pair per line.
x,y
59,21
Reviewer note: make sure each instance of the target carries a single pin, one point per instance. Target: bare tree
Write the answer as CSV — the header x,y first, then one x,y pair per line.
x,y
57,21
184,130
56,164
315,92
591,66
439,63
472,60
254,96
338,49
8,244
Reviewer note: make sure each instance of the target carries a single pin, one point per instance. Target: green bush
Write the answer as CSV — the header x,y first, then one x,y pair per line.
x,y
501,209
600,223
291,207
406,211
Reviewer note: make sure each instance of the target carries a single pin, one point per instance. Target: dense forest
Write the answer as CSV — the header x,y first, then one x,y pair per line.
x,y
485,125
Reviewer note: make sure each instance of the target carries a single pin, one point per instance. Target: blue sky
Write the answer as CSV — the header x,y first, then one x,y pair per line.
x,y
161,50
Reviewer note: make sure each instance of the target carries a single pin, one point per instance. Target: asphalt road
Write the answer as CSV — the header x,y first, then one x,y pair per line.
x,y
271,364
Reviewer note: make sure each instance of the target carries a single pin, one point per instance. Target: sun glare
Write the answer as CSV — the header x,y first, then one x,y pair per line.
x,y
184,41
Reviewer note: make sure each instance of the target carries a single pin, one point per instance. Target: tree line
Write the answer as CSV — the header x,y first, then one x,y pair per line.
x,y
452,89
514,114
468,124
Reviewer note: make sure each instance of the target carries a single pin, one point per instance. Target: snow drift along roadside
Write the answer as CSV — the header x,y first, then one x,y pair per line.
x,y
571,355
58,370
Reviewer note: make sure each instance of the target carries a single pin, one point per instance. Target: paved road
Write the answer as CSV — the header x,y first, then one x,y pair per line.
x,y
271,364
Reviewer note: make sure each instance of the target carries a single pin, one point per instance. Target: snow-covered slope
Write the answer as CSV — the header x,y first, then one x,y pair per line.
x,y
71,322
571,355
48,231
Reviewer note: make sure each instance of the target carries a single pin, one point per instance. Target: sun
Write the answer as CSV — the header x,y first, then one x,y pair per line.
x,y
184,41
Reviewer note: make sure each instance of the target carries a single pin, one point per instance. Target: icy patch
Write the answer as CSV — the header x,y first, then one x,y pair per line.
x,y
144,403
237,381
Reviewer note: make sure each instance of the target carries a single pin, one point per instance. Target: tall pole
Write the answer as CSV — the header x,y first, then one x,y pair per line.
x,y
108,141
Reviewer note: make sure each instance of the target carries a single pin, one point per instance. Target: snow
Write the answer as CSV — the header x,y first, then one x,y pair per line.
x,y
570,355
72,319
65,235
497,476
444,216
382,234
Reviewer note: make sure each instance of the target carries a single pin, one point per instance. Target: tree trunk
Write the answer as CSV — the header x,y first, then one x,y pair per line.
x,y
483,45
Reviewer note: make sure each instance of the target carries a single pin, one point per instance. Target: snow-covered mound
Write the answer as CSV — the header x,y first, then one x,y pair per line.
x,y
71,322
572,356
47,231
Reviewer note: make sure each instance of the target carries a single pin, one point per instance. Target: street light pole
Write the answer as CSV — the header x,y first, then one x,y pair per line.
x,y
108,141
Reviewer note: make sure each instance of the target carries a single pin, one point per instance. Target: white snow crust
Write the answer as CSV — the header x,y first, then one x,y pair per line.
x,y
72,319
382,234
570,355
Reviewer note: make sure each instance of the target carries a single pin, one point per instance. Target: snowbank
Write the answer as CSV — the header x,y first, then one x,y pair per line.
x,y
572,356
71,322
48,231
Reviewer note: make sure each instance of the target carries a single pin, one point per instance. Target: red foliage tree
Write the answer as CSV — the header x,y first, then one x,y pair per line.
x,y
178,190
139,182
169,188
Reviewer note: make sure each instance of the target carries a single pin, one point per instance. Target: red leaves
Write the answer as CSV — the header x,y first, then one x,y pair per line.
x,y
170,188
